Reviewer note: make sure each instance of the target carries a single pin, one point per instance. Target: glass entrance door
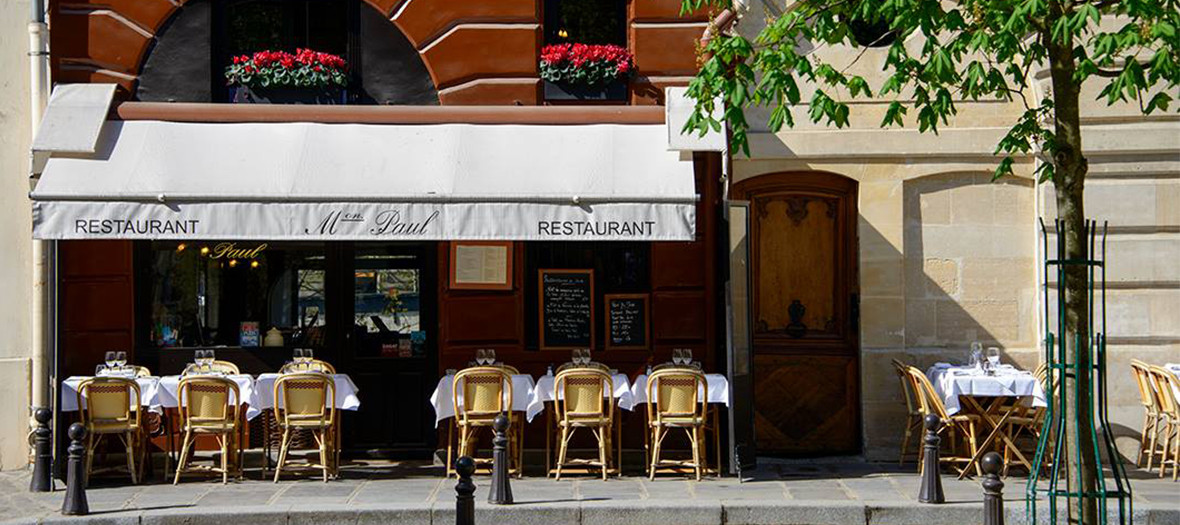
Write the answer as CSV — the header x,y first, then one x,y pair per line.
x,y
390,350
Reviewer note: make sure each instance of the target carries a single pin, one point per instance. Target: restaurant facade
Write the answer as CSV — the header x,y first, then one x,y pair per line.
x,y
427,218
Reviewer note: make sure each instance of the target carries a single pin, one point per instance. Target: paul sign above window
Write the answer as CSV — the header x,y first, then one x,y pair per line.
x,y
279,77
586,71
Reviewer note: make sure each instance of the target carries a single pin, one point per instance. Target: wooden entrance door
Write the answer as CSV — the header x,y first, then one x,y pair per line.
x,y
804,291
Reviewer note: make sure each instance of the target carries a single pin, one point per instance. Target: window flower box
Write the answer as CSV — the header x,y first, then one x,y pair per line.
x,y
586,72
615,90
278,77
287,95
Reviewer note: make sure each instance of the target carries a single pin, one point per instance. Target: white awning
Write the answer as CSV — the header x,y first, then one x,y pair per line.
x,y
275,181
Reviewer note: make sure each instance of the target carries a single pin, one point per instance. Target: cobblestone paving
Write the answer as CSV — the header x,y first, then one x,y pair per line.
x,y
834,494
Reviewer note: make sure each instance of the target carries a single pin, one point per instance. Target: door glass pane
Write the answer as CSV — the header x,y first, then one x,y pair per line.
x,y
387,309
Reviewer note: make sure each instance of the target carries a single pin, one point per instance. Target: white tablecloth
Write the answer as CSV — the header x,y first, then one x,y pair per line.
x,y
543,393
346,398
69,392
950,382
444,406
717,384
166,395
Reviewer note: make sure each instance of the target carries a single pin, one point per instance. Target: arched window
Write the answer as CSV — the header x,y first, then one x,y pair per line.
x,y
586,22
256,25
187,61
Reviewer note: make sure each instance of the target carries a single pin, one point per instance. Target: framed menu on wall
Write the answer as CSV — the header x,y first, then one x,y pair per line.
x,y
565,308
627,321
481,265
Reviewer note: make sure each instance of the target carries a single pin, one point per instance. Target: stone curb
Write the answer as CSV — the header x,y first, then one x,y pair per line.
x,y
630,512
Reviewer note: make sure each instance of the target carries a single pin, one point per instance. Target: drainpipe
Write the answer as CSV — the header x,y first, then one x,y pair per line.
x,y
38,94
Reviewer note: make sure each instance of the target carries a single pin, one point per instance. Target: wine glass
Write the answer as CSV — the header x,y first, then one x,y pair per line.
x,y
100,370
308,355
976,355
678,357
109,359
121,359
491,356
481,356
586,356
993,359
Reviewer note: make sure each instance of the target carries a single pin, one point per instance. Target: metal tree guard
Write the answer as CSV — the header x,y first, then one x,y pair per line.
x,y
1089,354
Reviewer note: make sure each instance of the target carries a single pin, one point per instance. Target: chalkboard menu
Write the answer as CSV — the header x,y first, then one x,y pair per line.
x,y
627,321
566,308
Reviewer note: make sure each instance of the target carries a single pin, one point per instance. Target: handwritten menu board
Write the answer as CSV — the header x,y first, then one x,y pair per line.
x,y
627,321
566,308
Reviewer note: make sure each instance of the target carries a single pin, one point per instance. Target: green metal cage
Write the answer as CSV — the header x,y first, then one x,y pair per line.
x,y
1089,358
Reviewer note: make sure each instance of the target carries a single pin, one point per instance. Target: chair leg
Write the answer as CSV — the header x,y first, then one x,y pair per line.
x,y
129,448
224,442
601,448
323,441
183,461
693,434
92,441
561,451
656,438
1143,439
905,441
283,445
449,467
1151,449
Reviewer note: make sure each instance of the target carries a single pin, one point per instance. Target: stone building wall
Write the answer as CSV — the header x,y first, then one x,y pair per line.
x,y
948,257
15,240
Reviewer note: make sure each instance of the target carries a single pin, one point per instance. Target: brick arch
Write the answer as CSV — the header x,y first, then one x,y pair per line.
x,y
475,52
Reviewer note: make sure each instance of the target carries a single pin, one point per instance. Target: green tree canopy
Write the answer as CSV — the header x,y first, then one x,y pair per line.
x,y
971,50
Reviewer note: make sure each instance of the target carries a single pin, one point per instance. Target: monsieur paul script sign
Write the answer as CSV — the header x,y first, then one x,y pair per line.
x,y
359,221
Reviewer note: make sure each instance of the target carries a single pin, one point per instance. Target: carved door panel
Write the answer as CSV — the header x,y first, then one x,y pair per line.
x,y
803,253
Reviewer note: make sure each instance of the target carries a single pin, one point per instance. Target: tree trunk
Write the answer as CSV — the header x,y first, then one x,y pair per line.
x,y
1070,169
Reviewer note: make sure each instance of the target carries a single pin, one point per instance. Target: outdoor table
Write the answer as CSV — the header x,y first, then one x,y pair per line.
x,y
68,401
544,392
167,395
444,405
717,393
264,392
962,385
717,385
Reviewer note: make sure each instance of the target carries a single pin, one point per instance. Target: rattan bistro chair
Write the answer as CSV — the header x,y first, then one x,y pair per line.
x,y
308,403
913,421
111,406
1166,385
676,401
957,426
584,401
1152,415
210,405
479,394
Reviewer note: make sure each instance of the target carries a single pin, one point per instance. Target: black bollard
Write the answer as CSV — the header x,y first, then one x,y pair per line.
x,y
42,452
931,491
465,492
75,502
993,489
501,492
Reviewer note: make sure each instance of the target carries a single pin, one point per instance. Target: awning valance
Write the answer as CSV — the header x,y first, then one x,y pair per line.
x,y
298,180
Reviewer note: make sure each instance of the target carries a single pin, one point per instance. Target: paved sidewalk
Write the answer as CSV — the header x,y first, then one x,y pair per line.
x,y
799,494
